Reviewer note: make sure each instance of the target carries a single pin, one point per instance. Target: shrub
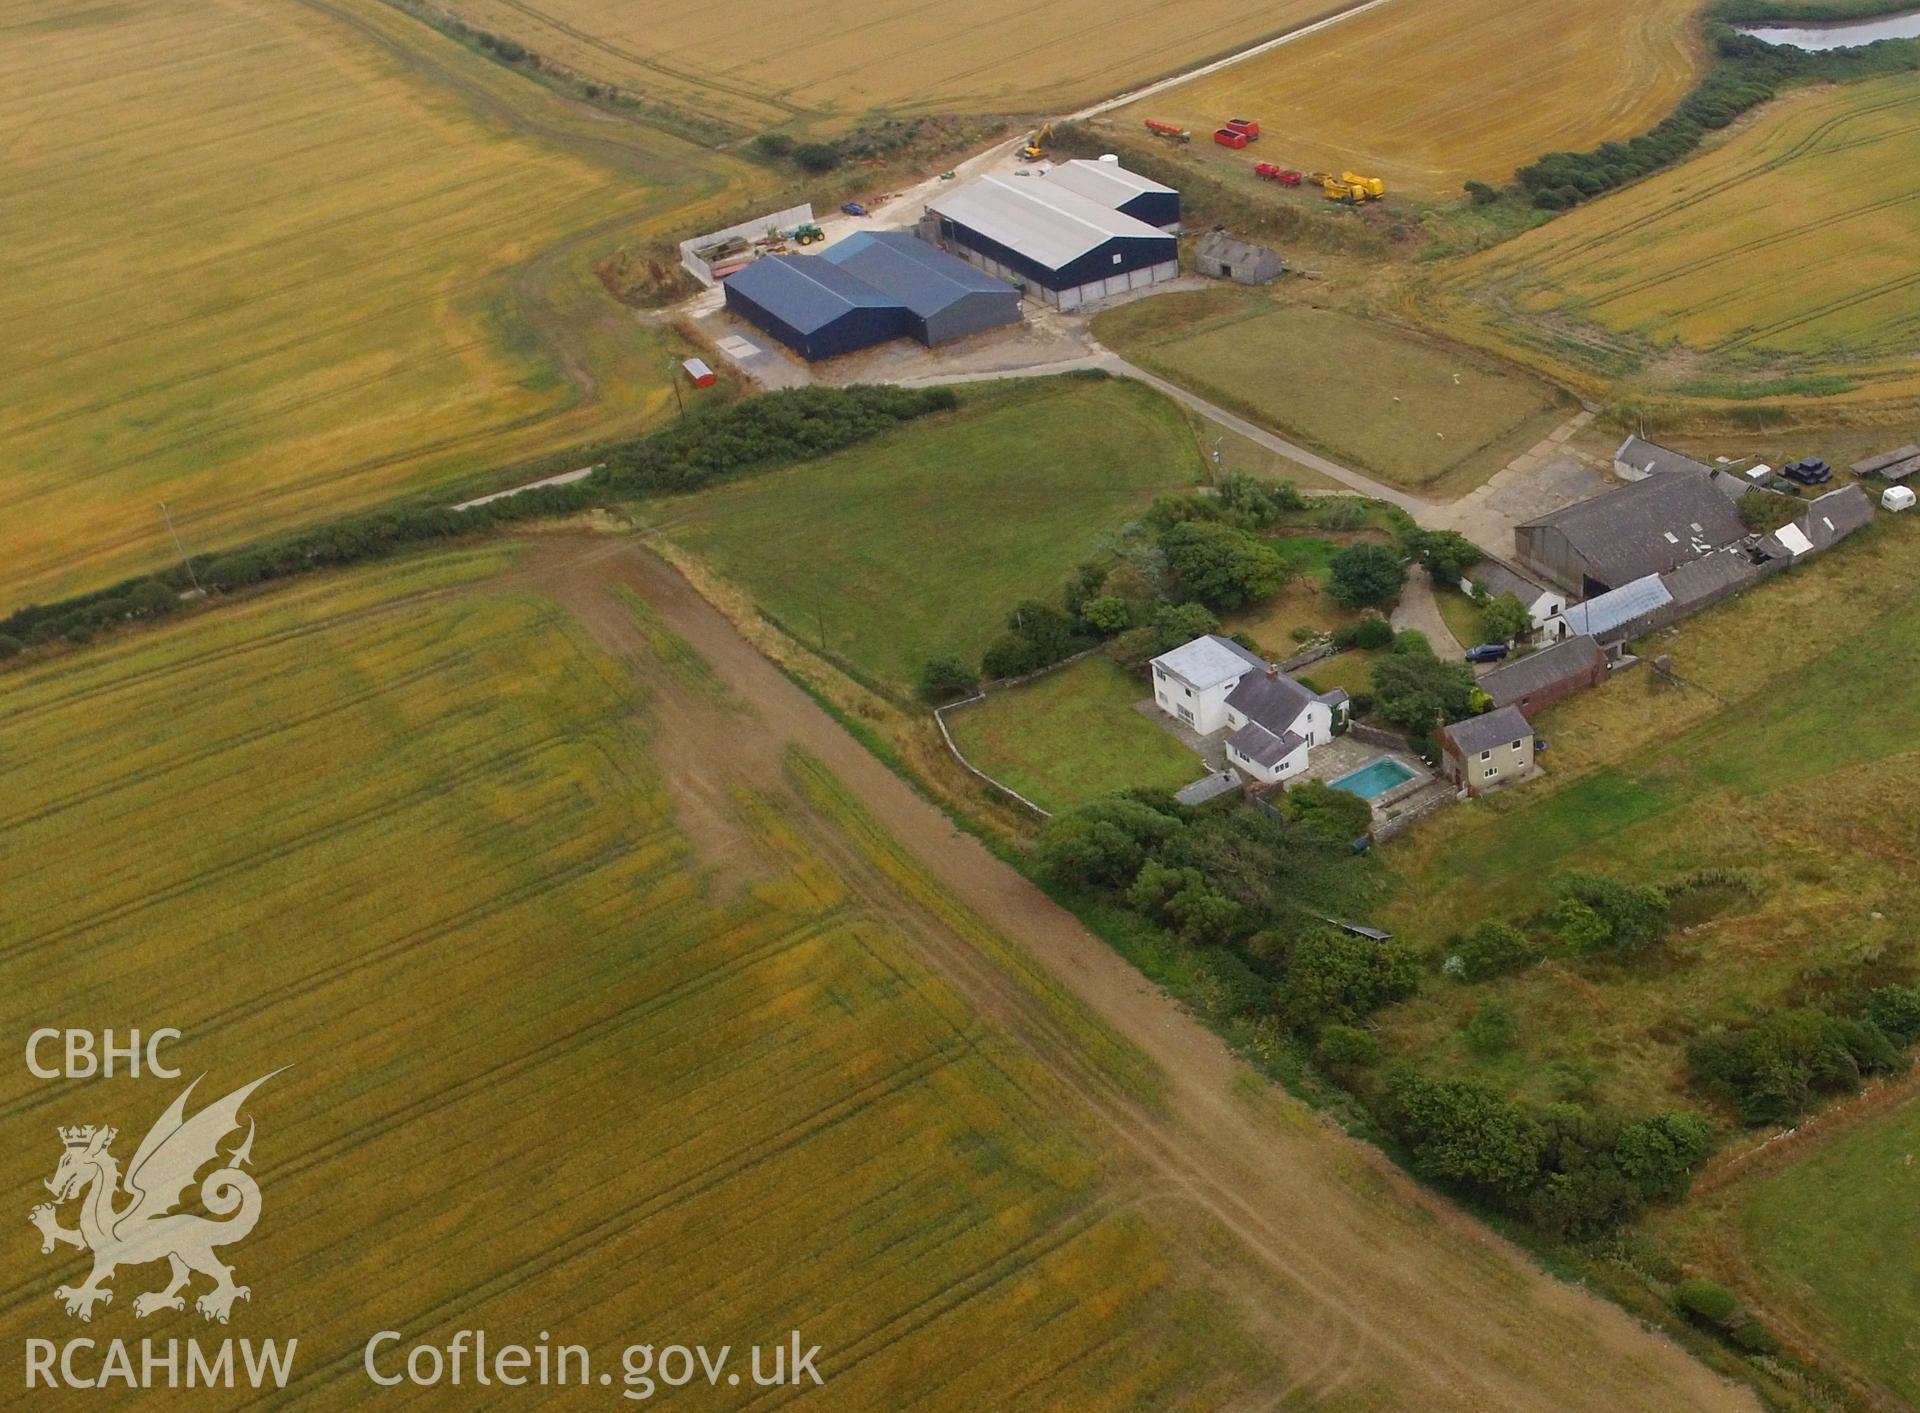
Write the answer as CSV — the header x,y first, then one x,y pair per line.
x,y
1328,815
1106,614
817,157
1333,976
1340,513
773,145
1491,1028
1894,1010
1418,692
1344,1050
1447,554
1634,915
1505,618
945,678
1221,566
1481,194
1465,1133
1103,843
1703,1300
1753,1337
1494,949
1366,633
9,646
1365,574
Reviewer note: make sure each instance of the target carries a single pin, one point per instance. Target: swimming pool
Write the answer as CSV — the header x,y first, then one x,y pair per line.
x,y
1373,779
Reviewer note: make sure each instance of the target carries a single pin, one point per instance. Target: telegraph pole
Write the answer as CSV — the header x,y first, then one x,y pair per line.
x,y
181,549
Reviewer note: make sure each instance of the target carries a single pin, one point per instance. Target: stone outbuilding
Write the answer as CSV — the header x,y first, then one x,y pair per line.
x,y
1535,682
1226,258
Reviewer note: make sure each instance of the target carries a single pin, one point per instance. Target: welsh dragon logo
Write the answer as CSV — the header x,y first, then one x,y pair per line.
x,y
145,1227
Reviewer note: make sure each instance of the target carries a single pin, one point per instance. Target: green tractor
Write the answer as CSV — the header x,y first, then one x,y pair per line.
x,y
807,234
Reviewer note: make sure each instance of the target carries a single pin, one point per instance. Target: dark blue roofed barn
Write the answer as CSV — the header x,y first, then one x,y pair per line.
x,y
813,306
945,297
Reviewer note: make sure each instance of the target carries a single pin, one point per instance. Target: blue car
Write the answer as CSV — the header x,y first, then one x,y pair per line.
x,y
854,208
1488,652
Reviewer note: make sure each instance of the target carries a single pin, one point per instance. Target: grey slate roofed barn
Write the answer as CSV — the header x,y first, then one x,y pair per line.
x,y
1835,515
1712,577
1499,578
1564,661
1500,727
1651,458
1646,527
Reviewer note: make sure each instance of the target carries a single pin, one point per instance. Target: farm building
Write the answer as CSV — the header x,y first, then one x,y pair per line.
x,y
1117,189
1832,517
1213,684
1636,458
1053,242
1543,603
1535,682
945,298
1485,752
1222,257
1637,606
1631,532
813,306
1896,465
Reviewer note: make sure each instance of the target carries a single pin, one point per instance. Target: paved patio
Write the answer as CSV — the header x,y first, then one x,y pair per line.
x,y
1211,749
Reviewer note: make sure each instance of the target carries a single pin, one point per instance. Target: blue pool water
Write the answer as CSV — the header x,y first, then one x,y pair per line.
x,y
1373,779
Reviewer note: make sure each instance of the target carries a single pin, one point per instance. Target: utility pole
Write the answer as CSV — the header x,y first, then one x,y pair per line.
x,y
192,578
673,376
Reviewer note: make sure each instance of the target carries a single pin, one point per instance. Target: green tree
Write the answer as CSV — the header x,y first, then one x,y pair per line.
x,y
1104,843
1447,554
1334,976
1329,815
1221,566
1490,1030
1106,614
1365,574
1493,949
945,678
1504,619
1465,1133
1418,693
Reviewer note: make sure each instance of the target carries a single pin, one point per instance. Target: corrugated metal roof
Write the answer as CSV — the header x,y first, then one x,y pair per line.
x,y
1108,183
1208,661
912,272
806,293
1617,606
1046,223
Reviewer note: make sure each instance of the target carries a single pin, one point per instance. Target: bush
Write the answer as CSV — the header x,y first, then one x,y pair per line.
x,y
817,157
1494,949
1366,633
1331,976
1343,513
945,678
1106,614
1481,194
1465,1133
1752,1337
1772,1069
1490,1030
1633,915
1365,574
1221,566
1447,554
9,647
1703,1300
773,145
1418,693
1505,618
1328,815
1894,1010
1344,1050
1103,843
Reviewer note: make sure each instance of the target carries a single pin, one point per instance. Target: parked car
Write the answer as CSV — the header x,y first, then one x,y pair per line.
x,y
854,208
1488,652
1810,472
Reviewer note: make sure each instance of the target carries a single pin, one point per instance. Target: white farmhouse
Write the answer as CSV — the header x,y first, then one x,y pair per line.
x,y
1213,684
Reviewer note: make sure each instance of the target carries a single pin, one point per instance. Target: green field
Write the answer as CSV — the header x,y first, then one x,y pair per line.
x,y
1822,1236
1073,736
270,262
920,543
603,1019
1412,411
1788,755
1777,266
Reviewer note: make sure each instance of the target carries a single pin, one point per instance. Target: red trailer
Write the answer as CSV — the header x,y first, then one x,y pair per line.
x,y
1246,127
1273,172
1227,137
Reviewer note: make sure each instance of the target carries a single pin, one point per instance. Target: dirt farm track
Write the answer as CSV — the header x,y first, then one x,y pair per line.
x,y
1391,1289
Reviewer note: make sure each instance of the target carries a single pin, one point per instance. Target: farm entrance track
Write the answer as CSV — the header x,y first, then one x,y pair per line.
x,y
1388,1287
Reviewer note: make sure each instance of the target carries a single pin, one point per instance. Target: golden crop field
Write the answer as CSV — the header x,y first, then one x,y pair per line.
x,y
1427,94
267,261
1781,264
759,64
590,1033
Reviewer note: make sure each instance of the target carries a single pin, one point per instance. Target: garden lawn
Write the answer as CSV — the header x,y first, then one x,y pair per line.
x,y
921,542
1073,736
1411,410
1461,613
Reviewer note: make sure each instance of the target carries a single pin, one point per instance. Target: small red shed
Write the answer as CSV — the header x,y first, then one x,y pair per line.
x,y
701,374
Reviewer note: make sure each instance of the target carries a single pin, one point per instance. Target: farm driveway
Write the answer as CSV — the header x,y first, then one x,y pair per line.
x,y
1416,608
1389,1289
